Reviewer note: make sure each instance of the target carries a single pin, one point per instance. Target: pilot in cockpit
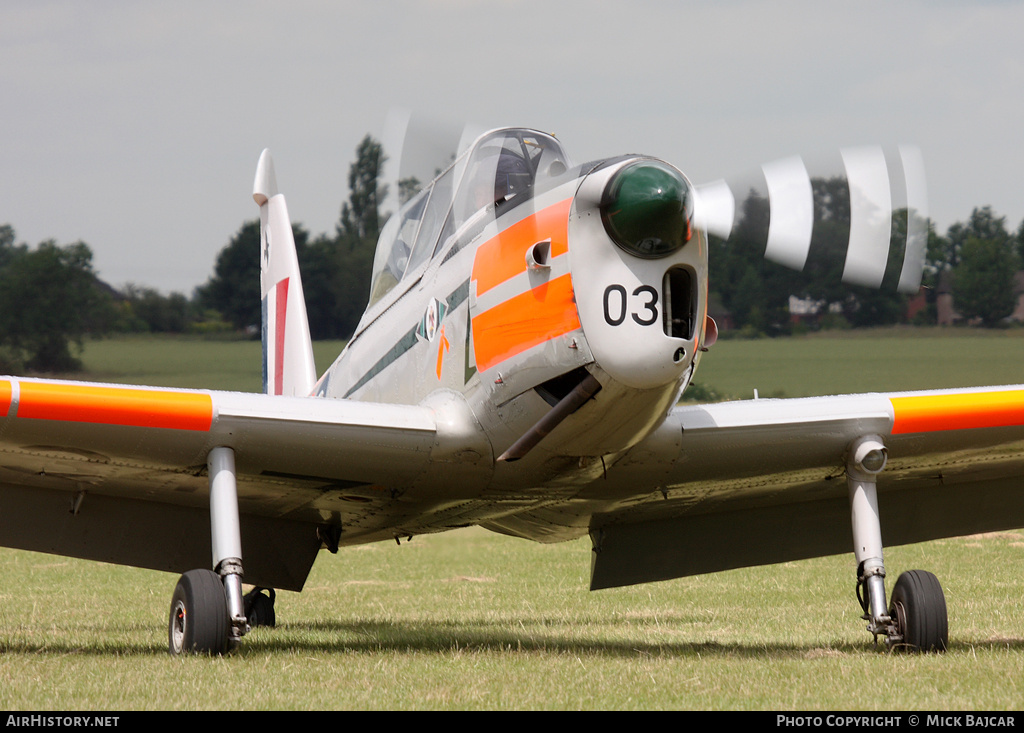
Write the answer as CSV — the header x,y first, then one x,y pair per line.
x,y
512,176
494,179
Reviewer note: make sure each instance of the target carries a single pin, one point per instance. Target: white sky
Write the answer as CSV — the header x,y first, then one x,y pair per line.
x,y
136,127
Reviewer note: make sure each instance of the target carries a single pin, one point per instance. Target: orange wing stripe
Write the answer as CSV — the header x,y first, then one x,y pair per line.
x,y
115,406
504,256
928,413
5,397
526,320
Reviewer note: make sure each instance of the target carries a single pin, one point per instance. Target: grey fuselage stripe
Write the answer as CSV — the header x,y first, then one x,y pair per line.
x,y
454,300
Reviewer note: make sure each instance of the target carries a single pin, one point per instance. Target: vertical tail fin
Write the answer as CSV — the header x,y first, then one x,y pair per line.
x,y
288,367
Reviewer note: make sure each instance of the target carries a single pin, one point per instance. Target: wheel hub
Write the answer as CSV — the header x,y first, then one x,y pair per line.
x,y
178,627
899,624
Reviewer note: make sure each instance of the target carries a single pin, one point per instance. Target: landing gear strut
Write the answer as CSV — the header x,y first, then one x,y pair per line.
x,y
207,609
916,620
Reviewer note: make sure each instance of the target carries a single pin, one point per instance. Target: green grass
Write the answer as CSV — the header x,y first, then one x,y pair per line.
x,y
829,362
473,620
183,361
870,360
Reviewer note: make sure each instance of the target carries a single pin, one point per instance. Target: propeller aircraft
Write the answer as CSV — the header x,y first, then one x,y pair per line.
x,y
532,324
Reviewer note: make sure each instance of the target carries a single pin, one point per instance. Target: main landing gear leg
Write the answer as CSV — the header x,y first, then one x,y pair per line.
x,y
917,619
207,609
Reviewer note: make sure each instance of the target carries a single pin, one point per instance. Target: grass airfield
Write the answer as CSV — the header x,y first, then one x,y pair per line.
x,y
473,620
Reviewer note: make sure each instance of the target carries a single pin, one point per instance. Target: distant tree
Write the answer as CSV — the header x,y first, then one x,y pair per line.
x,y
983,257
360,215
8,249
7,236
755,291
152,311
50,299
356,236
234,288
1020,243
984,224
407,188
319,267
944,252
335,270
983,279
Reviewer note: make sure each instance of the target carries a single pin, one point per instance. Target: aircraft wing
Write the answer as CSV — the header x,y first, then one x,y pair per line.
x,y
118,473
764,481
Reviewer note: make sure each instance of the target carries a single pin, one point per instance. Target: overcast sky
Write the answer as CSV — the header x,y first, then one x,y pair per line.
x,y
136,126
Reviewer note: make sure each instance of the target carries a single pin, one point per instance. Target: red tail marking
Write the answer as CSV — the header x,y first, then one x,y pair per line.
x,y
280,318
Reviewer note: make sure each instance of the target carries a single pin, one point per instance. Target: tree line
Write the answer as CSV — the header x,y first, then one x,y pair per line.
x,y
335,267
976,260
51,298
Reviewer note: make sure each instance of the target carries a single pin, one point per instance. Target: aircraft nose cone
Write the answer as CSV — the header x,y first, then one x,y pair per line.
x,y
647,209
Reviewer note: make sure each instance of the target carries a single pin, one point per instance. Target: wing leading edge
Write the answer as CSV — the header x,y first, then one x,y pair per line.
x,y
764,481
117,473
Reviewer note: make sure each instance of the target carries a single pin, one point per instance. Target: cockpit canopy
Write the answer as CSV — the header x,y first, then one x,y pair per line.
x,y
501,166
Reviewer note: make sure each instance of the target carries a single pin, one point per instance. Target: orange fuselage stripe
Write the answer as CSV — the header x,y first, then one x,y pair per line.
x,y
114,406
524,321
928,413
503,256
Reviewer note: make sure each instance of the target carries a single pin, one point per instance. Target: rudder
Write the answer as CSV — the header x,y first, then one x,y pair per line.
x,y
288,367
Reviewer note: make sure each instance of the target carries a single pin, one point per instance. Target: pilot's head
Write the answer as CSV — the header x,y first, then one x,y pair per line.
x,y
496,175
512,175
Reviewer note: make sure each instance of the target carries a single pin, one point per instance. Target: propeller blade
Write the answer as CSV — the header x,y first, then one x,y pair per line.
x,y
870,216
792,212
714,208
917,220
878,201
417,148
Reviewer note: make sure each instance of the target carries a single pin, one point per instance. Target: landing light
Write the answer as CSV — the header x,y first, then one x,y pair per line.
x,y
869,456
647,209
874,461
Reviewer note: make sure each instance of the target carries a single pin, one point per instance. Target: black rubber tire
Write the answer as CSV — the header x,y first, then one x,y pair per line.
x,y
260,609
199,615
919,609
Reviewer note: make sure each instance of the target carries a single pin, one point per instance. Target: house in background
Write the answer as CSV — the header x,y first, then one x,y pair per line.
x,y
945,313
1018,294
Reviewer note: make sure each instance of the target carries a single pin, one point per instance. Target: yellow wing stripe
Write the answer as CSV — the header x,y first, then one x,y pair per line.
x,y
929,413
111,405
